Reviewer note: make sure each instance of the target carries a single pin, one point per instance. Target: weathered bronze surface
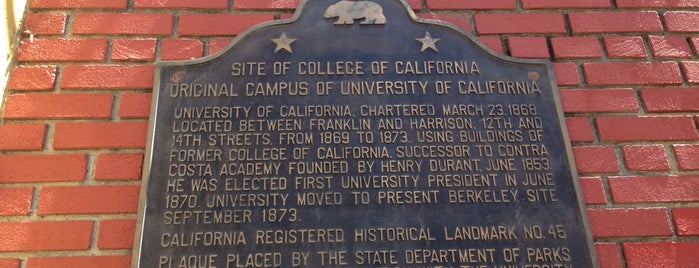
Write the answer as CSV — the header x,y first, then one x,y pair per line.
x,y
355,135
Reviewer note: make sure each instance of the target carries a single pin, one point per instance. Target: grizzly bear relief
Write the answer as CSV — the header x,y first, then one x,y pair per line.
x,y
347,11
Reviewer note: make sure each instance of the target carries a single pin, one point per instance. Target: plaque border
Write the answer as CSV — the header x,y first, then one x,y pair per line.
x,y
160,65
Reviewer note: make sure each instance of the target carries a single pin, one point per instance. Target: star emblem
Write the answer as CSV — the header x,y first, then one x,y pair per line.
x,y
428,42
283,42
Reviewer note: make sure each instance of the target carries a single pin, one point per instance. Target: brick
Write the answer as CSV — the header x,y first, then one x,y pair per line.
x,y
81,4
528,47
461,20
16,201
123,23
181,49
414,4
61,200
107,77
116,234
599,100
576,47
35,77
687,156
682,21
63,106
265,4
615,22
219,24
119,166
686,220
54,168
595,159
694,41
285,15
625,47
100,135
608,255
670,99
593,190
133,49
644,189
670,46
661,254
551,4
471,4
566,73
656,3
646,157
185,4
493,43
54,235
646,128
10,263
499,23
62,49
80,261
44,23
579,129
134,105
22,136
217,44
691,70
632,73
623,222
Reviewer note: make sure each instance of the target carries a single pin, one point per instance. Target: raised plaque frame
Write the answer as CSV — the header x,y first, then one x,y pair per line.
x,y
467,37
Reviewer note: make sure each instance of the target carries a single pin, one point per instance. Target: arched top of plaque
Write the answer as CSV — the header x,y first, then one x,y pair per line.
x,y
351,30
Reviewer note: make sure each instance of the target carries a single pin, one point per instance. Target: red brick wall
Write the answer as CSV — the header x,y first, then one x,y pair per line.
x,y
73,124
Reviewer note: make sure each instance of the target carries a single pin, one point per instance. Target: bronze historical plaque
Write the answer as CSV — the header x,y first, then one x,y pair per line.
x,y
356,135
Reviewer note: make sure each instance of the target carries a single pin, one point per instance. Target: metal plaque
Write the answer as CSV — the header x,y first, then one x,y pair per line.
x,y
357,135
